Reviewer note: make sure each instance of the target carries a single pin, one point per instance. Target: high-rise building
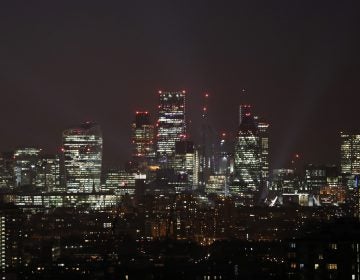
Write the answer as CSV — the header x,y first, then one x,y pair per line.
x,y
2,246
82,148
25,160
48,173
171,125
263,130
11,241
350,153
247,168
183,164
143,138
207,150
224,155
7,179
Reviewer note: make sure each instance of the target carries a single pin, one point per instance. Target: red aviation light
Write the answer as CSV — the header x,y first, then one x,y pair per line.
x,y
247,114
223,134
184,91
160,92
206,95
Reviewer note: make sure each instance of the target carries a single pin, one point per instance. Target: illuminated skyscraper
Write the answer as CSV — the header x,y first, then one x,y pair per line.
x,y
247,167
171,124
350,153
143,138
25,160
48,173
263,130
183,164
82,147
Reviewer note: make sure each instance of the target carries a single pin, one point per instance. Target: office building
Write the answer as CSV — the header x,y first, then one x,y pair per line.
x,y
247,166
263,130
48,173
7,178
171,125
183,163
143,135
25,160
82,148
350,157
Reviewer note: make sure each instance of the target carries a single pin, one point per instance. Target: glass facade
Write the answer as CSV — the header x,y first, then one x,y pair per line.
x,y
350,153
171,124
48,173
25,161
263,129
82,148
143,138
247,165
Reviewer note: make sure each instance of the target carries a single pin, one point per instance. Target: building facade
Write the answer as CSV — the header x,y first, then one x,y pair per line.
x,y
143,136
350,154
247,165
171,125
82,148
25,160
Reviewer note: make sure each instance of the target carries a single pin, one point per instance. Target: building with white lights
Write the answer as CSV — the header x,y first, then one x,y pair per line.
x,y
171,125
82,148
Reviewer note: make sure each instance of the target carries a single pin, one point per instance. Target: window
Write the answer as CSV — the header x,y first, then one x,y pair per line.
x,y
332,266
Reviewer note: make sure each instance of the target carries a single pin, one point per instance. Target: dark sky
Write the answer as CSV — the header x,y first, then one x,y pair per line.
x,y
64,62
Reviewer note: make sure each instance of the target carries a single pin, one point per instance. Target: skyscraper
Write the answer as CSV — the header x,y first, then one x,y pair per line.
x,y
247,168
171,124
143,138
82,147
25,160
7,179
48,173
184,165
263,130
350,153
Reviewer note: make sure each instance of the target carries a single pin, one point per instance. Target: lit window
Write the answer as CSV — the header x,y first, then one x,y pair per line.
x,y
332,266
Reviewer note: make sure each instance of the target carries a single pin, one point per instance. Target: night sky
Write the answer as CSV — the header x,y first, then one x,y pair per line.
x,y
65,62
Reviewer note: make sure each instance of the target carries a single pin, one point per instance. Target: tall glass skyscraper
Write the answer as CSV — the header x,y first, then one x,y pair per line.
x,y
263,130
82,148
171,126
350,153
247,167
143,138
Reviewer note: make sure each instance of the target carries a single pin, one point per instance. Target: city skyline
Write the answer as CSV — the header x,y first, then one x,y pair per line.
x,y
180,139
152,115
297,64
